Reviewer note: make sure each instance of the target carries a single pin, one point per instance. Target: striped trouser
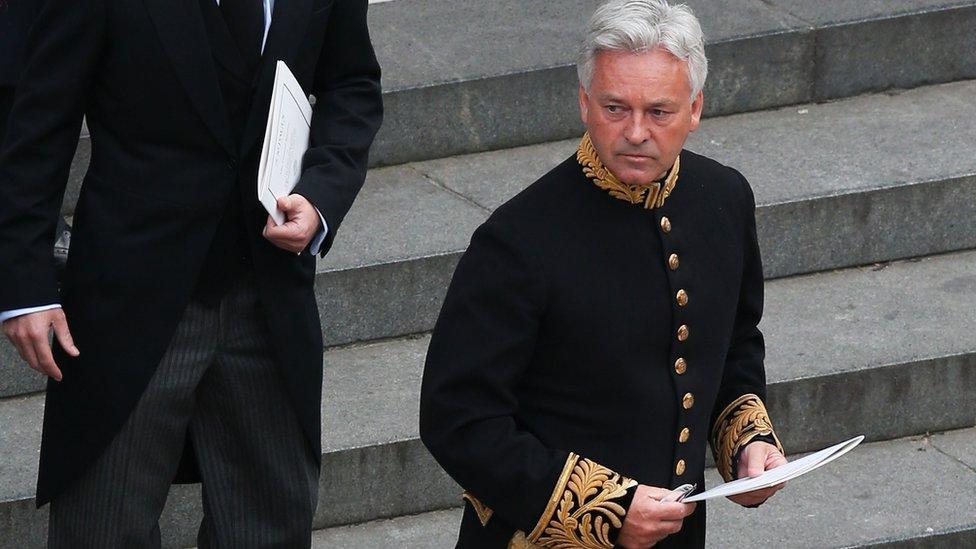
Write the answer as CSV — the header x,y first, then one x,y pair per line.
x,y
219,382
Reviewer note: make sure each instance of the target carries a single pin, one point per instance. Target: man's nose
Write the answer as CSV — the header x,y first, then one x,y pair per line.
x,y
637,131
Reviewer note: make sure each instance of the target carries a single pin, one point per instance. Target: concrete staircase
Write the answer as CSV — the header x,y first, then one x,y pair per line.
x,y
854,123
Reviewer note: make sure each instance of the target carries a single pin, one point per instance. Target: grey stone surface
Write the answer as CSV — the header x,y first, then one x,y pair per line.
x,y
898,52
959,445
386,375
868,226
424,42
382,301
393,257
16,378
22,526
848,11
426,531
400,214
20,443
489,179
78,168
873,497
868,142
511,82
886,353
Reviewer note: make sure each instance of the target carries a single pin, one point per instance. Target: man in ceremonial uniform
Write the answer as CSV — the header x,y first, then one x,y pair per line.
x,y
602,326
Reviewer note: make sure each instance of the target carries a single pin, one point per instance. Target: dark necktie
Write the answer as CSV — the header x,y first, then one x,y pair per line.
x,y
245,20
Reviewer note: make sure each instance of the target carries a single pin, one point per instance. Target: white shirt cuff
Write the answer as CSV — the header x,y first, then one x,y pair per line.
x,y
7,315
316,243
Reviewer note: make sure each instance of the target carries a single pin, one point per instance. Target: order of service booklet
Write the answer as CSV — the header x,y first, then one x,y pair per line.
x,y
780,474
285,141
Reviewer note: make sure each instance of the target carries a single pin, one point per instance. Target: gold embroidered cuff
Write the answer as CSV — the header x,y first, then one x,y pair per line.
x,y
741,421
582,511
483,511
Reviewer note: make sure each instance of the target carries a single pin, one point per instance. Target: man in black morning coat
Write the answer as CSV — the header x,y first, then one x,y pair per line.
x,y
602,326
192,317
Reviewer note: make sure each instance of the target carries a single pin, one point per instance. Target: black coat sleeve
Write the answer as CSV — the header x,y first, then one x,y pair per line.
x,y
482,344
740,414
348,112
42,134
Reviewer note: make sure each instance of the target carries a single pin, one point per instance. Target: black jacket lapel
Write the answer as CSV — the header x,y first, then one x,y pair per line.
x,y
288,25
184,38
225,50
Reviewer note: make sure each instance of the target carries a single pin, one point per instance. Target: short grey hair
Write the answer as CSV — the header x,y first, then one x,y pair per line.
x,y
643,25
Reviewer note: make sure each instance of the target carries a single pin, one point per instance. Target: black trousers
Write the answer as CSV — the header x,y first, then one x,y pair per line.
x,y
219,382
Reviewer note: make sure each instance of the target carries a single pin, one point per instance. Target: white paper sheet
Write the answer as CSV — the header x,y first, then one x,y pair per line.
x,y
285,141
780,474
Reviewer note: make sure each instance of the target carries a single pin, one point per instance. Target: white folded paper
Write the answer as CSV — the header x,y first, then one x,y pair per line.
x,y
285,141
780,474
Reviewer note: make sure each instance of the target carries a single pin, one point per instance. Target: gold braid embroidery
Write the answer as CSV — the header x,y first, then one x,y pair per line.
x,y
741,421
650,195
581,512
483,511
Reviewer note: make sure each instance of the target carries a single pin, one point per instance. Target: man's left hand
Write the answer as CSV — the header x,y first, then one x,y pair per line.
x,y
757,458
301,224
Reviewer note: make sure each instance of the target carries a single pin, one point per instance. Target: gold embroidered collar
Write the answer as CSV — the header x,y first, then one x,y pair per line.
x,y
650,195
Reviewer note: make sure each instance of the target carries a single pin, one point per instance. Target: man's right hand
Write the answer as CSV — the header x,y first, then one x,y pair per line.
x,y
31,334
649,521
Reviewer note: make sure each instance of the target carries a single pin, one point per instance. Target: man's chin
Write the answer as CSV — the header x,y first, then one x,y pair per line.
x,y
636,172
636,177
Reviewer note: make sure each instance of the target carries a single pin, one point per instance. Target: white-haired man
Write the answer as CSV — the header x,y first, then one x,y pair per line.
x,y
602,326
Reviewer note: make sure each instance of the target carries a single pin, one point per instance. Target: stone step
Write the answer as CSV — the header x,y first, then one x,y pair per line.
x,y
466,76
912,492
463,76
852,182
885,351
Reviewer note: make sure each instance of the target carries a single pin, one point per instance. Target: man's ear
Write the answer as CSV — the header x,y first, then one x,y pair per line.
x,y
584,105
696,110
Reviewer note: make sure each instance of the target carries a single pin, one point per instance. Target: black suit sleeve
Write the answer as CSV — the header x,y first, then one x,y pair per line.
x,y
348,112
42,134
482,344
740,414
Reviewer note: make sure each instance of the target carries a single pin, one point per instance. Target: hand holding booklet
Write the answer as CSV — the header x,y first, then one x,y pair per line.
x,y
285,141
780,474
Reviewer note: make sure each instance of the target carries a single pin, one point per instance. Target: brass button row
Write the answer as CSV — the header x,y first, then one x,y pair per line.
x,y
681,298
680,365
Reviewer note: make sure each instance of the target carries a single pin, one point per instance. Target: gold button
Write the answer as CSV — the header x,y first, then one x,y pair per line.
x,y
679,469
682,332
685,433
688,401
673,262
666,224
682,298
680,366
